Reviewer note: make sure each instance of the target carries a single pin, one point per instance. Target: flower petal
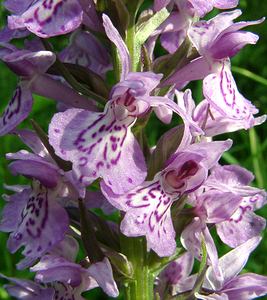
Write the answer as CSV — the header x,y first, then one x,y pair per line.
x,y
159,4
225,4
231,43
27,290
38,227
49,19
27,63
12,210
246,286
203,33
219,123
55,268
102,273
17,110
179,269
17,6
221,92
85,50
47,175
210,151
99,145
219,206
7,34
242,226
30,138
147,213
232,263
115,37
67,248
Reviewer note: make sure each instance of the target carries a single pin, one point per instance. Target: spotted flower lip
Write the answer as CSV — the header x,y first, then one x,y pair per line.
x,y
32,214
227,99
17,110
147,206
80,135
48,18
108,133
214,122
32,218
243,224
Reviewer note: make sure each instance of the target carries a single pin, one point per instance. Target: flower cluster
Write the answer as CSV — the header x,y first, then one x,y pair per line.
x,y
168,200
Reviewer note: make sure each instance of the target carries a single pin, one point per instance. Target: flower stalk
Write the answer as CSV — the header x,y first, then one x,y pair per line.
x,y
140,286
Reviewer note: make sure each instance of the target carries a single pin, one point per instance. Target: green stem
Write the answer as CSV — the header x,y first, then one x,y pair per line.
x,y
116,63
140,287
130,42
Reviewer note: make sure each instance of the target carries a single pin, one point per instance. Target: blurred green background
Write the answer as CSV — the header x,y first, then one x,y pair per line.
x,y
249,149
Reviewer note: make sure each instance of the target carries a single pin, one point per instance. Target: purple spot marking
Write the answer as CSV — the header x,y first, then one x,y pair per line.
x,y
115,161
105,152
99,165
30,215
83,161
16,100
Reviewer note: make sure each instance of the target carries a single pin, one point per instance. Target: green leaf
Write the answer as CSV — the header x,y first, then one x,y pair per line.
x,y
143,33
76,85
147,28
88,236
202,269
84,76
